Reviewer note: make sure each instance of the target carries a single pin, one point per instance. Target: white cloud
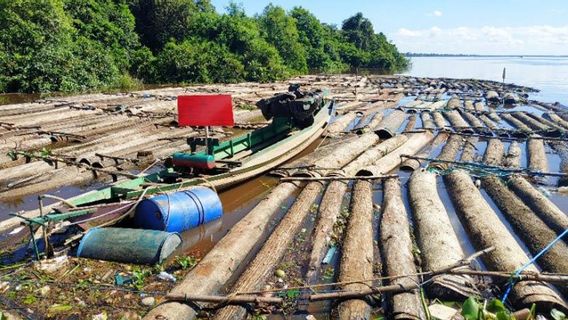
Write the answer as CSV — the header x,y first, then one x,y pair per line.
x,y
437,13
485,40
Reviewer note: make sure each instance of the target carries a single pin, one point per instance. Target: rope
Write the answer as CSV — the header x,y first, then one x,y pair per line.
x,y
517,273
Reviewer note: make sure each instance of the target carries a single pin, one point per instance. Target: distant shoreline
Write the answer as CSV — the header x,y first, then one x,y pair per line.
x,y
444,55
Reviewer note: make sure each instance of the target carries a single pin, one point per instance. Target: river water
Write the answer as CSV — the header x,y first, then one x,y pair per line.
x,y
547,74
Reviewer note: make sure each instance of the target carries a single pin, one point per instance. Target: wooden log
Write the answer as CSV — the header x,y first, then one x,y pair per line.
x,y
415,143
390,124
468,105
472,120
328,213
357,251
488,122
340,123
346,152
556,119
427,122
217,267
449,152
266,260
494,152
439,244
516,123
479,106
411,123
530,122
373,154
439,120
396,250
513,157
469,149
457,122
485,230
529,227
553,216
410,164
374,122
454,103
537,155
562,150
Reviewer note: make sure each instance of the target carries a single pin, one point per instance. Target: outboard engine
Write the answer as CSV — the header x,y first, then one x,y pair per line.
x,y
296,104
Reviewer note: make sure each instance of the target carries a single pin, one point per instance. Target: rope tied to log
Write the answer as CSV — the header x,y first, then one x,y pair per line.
x,y
515,276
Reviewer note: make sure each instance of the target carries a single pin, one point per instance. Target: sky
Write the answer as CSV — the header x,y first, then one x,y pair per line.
x,y
518,27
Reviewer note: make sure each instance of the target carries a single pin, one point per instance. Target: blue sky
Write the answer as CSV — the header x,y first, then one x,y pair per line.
x,y
449,26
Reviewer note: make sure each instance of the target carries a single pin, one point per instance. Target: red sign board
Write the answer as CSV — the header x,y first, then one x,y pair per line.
x,y
205,110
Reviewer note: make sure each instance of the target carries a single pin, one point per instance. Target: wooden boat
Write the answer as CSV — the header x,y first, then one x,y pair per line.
x,y
235,160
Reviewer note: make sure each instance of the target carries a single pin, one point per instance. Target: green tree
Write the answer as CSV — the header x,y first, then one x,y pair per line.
x,y
280,30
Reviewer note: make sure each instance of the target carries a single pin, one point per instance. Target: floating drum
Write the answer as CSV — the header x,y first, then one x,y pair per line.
x,y
128,245
179,211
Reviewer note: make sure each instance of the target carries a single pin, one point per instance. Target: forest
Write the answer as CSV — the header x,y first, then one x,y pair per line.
x,y
89,45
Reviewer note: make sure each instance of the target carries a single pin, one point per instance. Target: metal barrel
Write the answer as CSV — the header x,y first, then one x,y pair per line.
x,y
179,211
128,245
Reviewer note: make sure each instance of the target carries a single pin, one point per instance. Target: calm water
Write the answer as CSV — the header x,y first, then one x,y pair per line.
x,y
548,74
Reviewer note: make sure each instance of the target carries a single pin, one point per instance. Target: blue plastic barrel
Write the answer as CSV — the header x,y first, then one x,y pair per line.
x,y
128,245
179,211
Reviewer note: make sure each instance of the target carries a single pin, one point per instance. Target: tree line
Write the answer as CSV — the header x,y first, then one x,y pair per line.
x,y
84,45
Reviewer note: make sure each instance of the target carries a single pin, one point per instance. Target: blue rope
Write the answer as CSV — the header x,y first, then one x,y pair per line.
x,y
517,273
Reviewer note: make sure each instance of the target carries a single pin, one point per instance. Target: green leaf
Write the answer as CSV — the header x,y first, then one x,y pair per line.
x,y
557,315
59,308
30,299
470,309
495,306
503,315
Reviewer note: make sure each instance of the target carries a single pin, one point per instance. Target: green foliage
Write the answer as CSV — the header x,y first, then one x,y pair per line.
x,y
557,315
493,309
85,45
186,262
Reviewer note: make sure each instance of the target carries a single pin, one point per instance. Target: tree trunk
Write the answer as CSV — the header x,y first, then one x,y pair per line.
x,y
439,244
273,250
396,249
357,252
486,230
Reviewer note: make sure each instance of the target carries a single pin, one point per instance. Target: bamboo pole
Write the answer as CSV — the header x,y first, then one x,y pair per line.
x,y
485,229
357,251
273,250
439,244
396,250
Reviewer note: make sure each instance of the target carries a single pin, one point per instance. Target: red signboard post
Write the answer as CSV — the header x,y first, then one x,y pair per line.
x,y
205,110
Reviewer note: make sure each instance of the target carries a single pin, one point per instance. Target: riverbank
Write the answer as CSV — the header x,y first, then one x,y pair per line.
x,y
383,122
